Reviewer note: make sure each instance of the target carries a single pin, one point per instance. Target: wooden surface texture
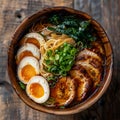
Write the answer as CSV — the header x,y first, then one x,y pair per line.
x,y
12,12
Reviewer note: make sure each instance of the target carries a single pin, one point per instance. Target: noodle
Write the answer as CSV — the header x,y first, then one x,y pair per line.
x,y
53,43
39,27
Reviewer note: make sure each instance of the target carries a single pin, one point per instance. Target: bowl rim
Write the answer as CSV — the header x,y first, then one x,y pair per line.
x,y
77,108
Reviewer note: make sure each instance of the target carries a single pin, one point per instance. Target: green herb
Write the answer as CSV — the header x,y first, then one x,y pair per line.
x,y
52,78
62,107
50,101
76,28
60,61
22,85
98,85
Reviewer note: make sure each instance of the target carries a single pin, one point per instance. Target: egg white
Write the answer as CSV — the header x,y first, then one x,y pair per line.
x,y
27,61
43,82
37,36
28,47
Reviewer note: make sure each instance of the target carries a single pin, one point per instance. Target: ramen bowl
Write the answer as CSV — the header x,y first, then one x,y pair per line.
x,y
23,28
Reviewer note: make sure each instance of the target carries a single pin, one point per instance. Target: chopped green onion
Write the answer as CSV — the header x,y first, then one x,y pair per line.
x,y
60,61
22,85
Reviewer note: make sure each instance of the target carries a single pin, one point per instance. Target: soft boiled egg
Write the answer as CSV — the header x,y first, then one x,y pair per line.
x,y
27,68
27,50
34,38
38,89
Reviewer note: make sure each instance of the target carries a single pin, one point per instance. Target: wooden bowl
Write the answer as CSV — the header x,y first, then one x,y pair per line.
x,y
20,32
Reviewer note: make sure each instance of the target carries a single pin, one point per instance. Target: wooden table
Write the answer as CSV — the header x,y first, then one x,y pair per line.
x,y
12,12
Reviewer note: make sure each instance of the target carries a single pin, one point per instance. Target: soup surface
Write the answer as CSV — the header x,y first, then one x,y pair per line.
x,y
69,66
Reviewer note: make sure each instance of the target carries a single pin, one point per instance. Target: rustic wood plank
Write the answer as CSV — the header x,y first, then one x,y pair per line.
x,y
48,3
107,13
93,8
12,12
112,25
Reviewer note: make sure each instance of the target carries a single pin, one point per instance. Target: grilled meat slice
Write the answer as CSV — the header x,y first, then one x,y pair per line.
x,y
91,58
83,82
94,73
92,62
64,91
85,54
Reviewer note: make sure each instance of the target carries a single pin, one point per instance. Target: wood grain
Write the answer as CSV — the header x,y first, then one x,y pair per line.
x,y
12,12
107,13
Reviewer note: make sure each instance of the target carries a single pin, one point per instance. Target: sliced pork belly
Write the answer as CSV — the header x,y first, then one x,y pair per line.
x,y
83,82
86,53
63,92
93,72
92,62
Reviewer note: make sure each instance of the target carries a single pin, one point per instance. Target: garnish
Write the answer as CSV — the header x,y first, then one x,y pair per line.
x,y
62,107
52,80
22,85
76,28
60,61
50,101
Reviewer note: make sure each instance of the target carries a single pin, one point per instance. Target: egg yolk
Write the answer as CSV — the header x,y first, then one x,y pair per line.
x,y
24,54
27,72
36,90
33,41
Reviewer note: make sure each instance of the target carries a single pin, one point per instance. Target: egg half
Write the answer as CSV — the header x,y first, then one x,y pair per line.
x,y
38,89
27,50
34,38
27,68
